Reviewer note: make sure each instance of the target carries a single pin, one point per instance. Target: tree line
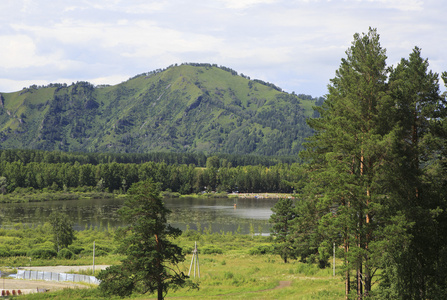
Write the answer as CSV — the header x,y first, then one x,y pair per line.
x,y
197,159
375,184
117,177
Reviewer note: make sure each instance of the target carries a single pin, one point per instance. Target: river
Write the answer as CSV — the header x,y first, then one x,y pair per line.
x,y
217,215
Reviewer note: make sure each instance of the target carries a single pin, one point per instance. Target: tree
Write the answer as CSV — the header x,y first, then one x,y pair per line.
x,y
62,229
349,157
282,218
3,184
419,270
152,259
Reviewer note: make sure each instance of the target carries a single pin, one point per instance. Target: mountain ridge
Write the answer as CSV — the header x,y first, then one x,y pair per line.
x,y
183,108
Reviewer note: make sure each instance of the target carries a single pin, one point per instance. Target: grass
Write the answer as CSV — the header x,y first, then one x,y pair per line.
x,y
227,270
236,275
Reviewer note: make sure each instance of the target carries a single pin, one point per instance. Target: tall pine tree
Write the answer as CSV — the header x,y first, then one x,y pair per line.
x,y
418,271
349,155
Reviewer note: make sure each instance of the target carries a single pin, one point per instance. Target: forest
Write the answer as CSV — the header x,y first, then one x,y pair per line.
x,y
33,171
375,178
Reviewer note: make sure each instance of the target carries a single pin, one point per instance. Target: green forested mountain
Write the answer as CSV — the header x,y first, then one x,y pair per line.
x,y
186,108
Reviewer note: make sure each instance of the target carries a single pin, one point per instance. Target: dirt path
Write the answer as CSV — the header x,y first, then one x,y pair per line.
x,y
282,284
31,286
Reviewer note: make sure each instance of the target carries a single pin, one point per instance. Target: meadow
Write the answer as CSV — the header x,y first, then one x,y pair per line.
x,y
232,265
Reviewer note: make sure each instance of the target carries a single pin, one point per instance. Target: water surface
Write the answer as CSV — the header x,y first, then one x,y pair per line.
x,y
215,214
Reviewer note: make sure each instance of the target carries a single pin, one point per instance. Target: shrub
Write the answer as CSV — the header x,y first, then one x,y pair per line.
x,y
89,252
17,253
75,250
42,253
65,254
210,250
307,269
4,253
260,250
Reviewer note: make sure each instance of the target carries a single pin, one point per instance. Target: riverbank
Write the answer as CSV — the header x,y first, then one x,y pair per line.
x,y
26,196
261,195
42,196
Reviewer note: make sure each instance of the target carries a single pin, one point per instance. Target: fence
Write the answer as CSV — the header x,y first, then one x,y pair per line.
x,y
52,276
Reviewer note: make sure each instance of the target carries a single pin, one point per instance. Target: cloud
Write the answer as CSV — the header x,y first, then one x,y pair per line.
x,y
404,5
243,4
294,44
20,51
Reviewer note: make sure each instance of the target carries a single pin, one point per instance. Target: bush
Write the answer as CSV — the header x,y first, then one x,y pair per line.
x,y
65,254
75,250
17,253
260,250
4,253
89,252
307,269
42,253
210,250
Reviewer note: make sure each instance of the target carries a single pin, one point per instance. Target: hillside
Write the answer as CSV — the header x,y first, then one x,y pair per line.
x,y
186,108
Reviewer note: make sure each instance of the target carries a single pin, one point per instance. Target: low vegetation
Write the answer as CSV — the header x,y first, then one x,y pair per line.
x,y
232,265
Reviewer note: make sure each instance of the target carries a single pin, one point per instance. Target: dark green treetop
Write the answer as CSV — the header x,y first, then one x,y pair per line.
x,y
152,259
282,220
62,229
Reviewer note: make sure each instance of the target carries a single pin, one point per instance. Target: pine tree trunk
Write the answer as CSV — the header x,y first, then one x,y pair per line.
x,y
160,290
368,237
360,262
347,277
159,279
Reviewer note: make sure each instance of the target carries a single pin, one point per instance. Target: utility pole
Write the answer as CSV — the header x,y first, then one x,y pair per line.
x,y
333,264
195,261
93,258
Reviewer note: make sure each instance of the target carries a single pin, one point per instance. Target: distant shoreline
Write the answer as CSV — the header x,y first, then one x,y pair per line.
x,y
261,195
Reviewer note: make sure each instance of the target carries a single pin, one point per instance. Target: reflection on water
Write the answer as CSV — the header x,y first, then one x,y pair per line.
x,y
219,214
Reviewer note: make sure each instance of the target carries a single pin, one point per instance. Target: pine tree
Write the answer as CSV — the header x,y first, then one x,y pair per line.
x,y
418,270
152,258
348,157
282,220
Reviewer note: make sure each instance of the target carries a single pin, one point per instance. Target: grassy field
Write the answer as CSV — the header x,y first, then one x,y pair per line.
x,y
237,275
229,268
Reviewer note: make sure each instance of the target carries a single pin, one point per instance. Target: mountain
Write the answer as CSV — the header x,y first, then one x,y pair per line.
x,y
186,108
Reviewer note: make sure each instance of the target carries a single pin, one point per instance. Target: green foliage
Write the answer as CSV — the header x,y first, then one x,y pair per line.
x,y
372,172
151,262
62,229
194,108
42,253
117,281
65,254
282,219
75,249
37,181
418,270
210,250
4,252
261,250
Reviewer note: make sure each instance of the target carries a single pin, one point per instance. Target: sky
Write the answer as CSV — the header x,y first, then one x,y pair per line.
x,y
295,44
